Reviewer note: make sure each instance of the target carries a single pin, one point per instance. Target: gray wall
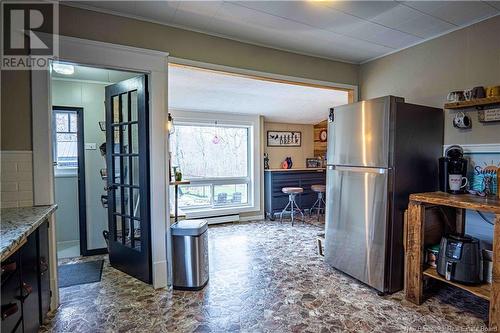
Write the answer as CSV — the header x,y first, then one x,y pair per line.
x,y
90,96
424,74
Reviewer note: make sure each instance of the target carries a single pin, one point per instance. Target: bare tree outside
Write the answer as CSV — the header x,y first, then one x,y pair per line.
x,y
208,152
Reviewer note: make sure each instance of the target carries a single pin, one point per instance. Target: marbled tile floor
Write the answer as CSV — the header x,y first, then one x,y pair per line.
x,y
265,277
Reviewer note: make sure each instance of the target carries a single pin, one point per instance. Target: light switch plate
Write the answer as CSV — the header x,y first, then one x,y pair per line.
x,y
90,146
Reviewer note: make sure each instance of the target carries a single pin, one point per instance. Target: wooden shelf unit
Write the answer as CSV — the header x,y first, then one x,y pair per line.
x,y
415,271
473,103
481,290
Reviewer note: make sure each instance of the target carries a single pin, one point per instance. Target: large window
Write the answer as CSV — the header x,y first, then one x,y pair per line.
x,y
215,158
66,138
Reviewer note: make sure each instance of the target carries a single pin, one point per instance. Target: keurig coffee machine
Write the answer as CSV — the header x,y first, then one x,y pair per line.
x,y
453,171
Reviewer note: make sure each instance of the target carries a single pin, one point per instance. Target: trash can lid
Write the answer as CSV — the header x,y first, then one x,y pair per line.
x,y
189,227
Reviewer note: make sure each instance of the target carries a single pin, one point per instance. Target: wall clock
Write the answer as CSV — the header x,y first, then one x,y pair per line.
x,y
323,135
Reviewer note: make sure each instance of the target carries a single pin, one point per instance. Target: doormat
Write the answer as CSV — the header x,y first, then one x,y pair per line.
x,y
80,273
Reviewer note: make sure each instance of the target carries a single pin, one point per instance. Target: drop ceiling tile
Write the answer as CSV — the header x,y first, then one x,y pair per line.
x,y
312,14
495,4
364,9
411,21
271,30
262,24
162,11
374,33
323,17
196,14
456,12
127,7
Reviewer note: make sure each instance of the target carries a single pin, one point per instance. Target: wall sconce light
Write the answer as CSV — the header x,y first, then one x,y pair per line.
x,y
170,124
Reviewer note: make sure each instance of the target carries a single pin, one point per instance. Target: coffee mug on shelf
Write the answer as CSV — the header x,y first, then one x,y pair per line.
x,y
462,121
493,91
456,182
478,92
468,94
455,96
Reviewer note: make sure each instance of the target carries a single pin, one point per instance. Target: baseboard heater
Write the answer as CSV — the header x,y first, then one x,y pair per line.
x,y
221,219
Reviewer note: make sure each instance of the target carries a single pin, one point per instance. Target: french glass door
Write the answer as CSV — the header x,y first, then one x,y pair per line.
x,y
127,159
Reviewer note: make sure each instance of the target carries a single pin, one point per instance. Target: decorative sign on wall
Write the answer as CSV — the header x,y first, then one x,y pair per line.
x,y
483,176
284,139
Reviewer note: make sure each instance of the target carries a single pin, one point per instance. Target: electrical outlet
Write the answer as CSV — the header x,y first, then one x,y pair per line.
x,y
90,146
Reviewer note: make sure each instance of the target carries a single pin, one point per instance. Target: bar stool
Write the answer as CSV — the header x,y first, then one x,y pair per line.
x,y
320,189
292,193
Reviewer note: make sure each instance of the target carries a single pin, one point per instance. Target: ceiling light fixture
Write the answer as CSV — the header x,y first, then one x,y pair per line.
x,y
63,69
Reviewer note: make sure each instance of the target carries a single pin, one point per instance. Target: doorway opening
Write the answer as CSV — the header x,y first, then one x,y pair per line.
x,y
224,118
81,134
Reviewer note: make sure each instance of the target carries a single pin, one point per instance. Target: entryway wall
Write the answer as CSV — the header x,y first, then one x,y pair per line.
x,y
89,96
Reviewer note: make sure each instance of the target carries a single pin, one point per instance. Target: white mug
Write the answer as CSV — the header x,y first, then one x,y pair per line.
x,y
468,94
456,182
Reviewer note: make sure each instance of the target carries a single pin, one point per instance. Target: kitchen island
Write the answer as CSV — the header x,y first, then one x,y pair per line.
x,y
275,179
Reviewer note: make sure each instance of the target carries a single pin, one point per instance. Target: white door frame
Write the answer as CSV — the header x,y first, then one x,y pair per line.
x,y
112,56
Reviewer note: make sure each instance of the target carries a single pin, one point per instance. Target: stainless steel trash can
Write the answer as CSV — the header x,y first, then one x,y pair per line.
x,y
190,254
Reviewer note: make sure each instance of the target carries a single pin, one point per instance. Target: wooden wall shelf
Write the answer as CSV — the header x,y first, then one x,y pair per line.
x,y
481,290
473,103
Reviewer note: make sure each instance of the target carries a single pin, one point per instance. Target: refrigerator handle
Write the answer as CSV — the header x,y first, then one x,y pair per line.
x,y
358,169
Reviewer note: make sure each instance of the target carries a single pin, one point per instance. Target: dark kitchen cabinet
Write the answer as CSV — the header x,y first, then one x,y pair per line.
x,y
44,284
29,284
25,284
275,200
11,294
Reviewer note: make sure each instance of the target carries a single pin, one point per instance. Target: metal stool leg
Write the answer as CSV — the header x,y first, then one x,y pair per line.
x,y
320,198
318,206
296,208
283,211
313,207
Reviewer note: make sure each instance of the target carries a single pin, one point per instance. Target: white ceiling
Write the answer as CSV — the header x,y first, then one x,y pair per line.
x,y
352,31
201,90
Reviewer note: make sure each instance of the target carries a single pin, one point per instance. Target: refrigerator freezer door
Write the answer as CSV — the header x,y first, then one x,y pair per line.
x,y
360,134
356,222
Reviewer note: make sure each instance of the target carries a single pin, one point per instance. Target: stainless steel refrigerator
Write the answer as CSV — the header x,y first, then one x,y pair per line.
x,y
379,151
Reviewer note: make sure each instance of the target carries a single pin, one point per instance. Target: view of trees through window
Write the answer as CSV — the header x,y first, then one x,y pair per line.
x,y
209,151
208,156
66,143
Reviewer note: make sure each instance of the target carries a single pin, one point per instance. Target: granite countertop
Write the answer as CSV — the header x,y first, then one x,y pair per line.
x,y
296,169
18,223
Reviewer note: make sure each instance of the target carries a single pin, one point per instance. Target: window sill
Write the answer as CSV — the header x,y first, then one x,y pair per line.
x,y
65,172
219,211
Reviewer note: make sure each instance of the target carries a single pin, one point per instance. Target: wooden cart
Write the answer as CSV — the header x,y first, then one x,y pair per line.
x,y
414,257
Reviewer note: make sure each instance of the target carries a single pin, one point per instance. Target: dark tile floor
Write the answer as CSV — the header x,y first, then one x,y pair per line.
x,y
265,277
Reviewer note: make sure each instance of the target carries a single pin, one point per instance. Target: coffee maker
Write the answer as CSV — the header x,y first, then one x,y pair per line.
x,y
453,163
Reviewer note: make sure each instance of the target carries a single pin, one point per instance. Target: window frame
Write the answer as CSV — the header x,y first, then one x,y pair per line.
x,y
79,133
214,181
